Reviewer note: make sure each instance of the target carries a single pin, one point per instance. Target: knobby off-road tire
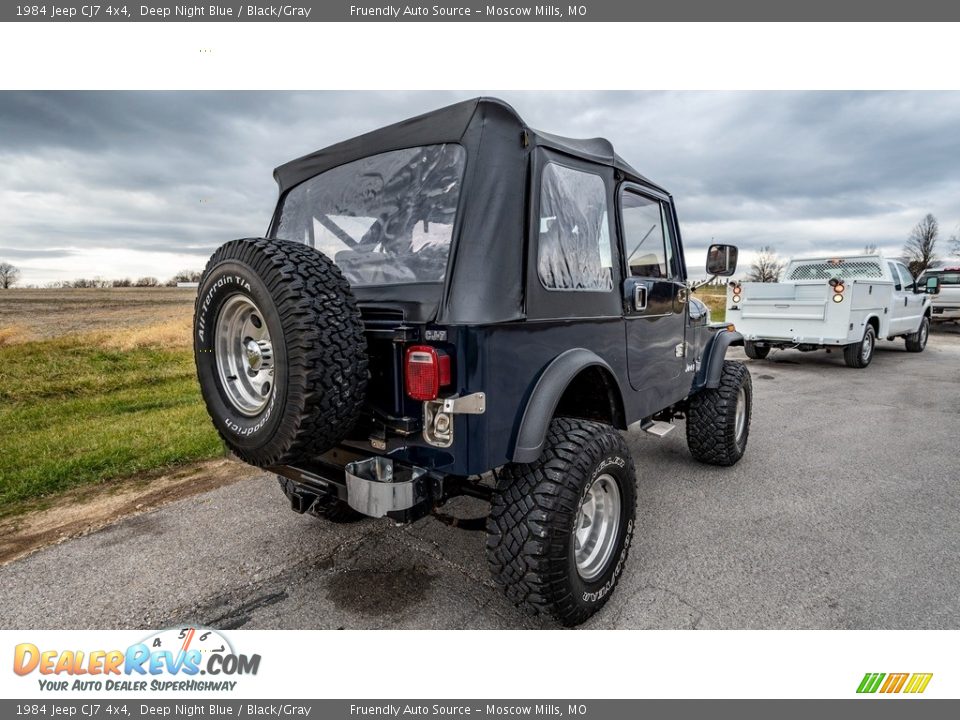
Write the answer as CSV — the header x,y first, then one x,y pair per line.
x,y
858,355
755,352
917,341
539,512
718,419
280,320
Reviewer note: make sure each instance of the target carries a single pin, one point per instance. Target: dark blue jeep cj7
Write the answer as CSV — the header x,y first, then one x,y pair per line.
x,y
461,305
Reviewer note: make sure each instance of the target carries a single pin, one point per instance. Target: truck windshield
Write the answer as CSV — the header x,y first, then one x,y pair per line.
x,y
385,219
820,270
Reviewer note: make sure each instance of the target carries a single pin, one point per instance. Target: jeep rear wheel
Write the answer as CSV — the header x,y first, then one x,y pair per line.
x,y
756,352
560,528
718,419
280,351
858,355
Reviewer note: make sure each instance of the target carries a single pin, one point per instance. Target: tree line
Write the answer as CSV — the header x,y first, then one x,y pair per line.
x,y
10,276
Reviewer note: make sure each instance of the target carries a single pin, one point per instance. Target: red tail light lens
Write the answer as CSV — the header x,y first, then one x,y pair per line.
x,y
425,371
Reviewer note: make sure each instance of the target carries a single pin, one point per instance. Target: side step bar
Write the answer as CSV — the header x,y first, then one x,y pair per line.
x,y
658,428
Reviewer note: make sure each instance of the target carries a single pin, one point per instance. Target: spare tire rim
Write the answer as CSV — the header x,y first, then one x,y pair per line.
x,y
867,349
597,527
244,355
740,414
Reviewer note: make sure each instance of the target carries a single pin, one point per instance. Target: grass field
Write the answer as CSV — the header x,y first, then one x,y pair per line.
x,y
715,298
95,385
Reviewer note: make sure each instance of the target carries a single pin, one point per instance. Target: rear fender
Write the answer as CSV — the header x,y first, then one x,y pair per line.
x,y
543,401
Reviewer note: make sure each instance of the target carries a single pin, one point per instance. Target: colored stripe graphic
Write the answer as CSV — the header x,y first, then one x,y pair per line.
x,y
918,683
894,683
870,682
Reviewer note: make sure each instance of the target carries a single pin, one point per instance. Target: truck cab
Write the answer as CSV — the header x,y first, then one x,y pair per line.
x,y
943,284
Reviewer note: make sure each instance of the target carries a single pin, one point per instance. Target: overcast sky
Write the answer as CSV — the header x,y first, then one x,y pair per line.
x,y
118,184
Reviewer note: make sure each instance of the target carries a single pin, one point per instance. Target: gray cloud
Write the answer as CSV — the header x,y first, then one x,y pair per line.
x,y
165,177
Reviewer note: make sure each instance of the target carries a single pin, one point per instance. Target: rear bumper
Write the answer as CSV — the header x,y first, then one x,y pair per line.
x,y
784,341
372,485
945,313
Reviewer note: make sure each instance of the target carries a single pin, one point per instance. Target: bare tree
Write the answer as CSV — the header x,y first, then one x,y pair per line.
x,y
184,276
147,282
122,283
920,249
955,244
766,266
9,275
870,249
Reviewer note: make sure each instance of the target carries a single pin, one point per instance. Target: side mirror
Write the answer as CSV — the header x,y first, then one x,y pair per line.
x,y
722,260
932,286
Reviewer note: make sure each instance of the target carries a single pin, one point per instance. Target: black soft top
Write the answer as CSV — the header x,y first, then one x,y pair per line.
x,y
486,280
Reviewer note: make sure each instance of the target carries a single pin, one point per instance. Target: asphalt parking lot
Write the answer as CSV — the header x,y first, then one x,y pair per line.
x,y
844,513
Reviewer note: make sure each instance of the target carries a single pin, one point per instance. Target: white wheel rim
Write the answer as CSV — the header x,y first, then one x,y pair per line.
x,y
866,350
597,527
244,355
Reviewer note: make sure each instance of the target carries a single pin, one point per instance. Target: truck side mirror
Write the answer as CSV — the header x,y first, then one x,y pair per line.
x,y
722,260
932,286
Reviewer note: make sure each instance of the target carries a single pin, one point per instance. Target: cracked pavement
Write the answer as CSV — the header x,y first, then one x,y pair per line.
x,y
842,514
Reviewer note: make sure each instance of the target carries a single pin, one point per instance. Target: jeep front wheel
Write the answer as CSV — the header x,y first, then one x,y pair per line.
x,y
280,351
560,528
718,419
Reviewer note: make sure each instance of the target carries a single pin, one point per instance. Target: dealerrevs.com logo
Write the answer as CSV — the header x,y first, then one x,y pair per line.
x,y
892,683
180,659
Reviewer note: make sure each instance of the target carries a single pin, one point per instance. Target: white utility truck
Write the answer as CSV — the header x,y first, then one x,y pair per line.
x,y
832,302
943,284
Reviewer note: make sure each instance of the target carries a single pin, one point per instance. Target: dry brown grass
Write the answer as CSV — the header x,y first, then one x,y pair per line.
x,y
13,334
169,334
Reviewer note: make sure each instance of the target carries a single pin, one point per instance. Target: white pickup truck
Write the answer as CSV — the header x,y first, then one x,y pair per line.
x,y
945,291
834,302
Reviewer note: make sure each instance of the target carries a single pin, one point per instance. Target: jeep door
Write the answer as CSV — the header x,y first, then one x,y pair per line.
x,y
655,298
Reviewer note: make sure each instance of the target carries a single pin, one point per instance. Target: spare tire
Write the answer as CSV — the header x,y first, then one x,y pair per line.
x,y
280,351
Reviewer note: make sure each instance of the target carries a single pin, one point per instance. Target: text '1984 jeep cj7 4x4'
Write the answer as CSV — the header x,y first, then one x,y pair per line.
x,y
460,305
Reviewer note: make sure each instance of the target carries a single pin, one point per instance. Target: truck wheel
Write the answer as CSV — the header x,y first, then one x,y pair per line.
x,y
718,419
859,355
755,352
280,351
560,527
918,340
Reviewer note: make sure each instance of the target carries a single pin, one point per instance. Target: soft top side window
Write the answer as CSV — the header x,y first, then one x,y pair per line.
x,y
574,251
646,239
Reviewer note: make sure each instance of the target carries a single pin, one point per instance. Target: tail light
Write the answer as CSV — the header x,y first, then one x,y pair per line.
x,y
737,292
425,371
838,288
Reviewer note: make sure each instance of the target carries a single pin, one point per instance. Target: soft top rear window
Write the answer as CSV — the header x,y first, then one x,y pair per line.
x,y
384,219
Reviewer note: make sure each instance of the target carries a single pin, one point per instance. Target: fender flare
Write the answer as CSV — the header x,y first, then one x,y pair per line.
x,y
711,365
545,396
